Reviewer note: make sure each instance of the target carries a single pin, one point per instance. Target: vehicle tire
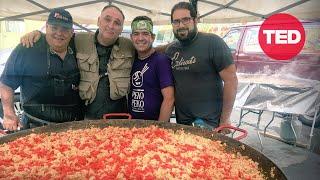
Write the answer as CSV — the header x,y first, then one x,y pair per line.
x,y
307,120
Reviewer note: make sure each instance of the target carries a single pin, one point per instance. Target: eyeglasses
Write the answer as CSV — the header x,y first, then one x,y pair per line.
x,y
184,21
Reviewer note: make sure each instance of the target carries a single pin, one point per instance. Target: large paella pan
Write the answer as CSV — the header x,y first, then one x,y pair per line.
x,y
266,166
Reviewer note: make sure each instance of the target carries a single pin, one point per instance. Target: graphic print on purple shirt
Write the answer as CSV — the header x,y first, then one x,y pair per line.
x,y
138,94
148,77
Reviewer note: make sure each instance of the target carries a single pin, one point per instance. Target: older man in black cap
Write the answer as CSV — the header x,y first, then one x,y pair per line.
x,y
48,76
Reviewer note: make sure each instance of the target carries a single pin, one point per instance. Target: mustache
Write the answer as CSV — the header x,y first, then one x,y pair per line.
x,y
110,30
57,37
182,29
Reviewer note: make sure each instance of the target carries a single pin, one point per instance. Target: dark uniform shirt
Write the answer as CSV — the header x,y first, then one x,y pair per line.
x,y
47,82
198,63
103,104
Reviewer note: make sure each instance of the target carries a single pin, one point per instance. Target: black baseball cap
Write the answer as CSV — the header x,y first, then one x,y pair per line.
x,y
60,17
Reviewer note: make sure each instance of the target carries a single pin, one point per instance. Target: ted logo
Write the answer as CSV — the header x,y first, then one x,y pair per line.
x,y
281,36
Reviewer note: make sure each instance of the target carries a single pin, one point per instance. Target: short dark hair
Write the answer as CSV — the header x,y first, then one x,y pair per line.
x,y
113,6
184,5
138,18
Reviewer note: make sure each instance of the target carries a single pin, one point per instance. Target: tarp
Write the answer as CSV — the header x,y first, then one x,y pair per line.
x,y
278,94
210,11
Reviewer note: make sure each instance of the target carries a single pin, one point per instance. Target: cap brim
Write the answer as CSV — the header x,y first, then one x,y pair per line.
x,y
65,25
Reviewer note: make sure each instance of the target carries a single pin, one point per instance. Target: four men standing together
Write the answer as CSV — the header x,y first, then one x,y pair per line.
x,y
202,72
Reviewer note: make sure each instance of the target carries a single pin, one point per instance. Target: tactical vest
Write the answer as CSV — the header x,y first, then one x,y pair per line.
x,y
118,68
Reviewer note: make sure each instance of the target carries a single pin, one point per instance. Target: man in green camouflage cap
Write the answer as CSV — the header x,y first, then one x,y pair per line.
x,y
151,93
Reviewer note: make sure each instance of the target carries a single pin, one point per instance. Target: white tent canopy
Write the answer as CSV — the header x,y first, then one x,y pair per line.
x,y
210,11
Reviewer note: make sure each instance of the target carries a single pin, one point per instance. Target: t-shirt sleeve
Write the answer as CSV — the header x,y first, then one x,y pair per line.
x,y
164,72
12,73
167,51
220,53
169,48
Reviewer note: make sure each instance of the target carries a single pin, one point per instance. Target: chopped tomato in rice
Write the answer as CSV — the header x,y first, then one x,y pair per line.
x,y
122,153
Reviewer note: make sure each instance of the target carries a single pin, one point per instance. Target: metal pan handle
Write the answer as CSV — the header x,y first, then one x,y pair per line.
x,y
108,116
244,132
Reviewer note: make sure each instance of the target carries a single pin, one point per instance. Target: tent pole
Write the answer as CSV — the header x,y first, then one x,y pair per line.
x,y
44,11
287,7
233,8
218,9
137,7
43,7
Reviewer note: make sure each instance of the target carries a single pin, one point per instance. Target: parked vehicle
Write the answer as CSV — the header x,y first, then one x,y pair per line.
x,y
250,58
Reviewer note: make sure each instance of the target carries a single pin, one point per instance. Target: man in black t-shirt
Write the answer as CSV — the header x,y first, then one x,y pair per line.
x,y
204,72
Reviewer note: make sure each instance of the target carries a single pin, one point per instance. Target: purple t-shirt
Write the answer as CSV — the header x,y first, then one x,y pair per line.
x,y
148,77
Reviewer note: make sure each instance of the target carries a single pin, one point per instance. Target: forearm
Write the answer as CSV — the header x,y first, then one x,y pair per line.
x,y
7,99
30,38
229,95
166,109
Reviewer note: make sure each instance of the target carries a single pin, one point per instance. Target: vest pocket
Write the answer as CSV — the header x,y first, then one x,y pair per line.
x,y
87,62
119,70
120,86
121,61
87,90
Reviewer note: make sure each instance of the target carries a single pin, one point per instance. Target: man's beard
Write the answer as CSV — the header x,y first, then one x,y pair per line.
x,y
191,34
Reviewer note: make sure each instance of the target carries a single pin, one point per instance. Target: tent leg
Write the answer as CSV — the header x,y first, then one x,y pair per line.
x,y
294,117
312,128
265,129
258,129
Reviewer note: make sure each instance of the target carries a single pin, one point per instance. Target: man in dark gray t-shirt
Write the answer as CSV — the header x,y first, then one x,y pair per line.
x,y
204,72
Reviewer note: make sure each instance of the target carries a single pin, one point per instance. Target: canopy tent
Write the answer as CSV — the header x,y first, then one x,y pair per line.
x,y
210,11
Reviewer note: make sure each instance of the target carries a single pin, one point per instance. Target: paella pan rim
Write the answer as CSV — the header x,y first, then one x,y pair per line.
x,y
266,166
